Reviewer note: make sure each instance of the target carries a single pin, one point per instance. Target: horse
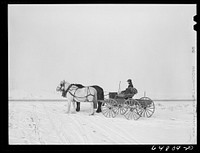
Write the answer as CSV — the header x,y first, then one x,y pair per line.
x,y
100,96
75,94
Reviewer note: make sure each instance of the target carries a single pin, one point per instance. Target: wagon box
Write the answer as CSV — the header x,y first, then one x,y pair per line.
x,y
112,94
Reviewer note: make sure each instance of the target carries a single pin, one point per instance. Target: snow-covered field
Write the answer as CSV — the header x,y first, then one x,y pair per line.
x,y
46,122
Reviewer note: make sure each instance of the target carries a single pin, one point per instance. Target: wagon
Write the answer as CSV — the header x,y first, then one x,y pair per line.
x,y
127,106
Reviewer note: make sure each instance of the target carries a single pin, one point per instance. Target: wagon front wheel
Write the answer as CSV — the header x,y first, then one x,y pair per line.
x,y
132,109
110,109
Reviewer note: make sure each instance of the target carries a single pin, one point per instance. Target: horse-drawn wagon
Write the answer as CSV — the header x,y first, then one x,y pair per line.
x,y
122,104
127,106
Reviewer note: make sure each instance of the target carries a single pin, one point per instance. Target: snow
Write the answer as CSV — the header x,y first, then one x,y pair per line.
x,y
48,123
34,94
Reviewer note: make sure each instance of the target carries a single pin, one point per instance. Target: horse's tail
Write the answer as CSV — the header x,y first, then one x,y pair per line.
x,y
100,92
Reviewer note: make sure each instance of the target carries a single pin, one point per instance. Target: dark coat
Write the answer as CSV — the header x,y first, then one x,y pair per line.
x,y
130,85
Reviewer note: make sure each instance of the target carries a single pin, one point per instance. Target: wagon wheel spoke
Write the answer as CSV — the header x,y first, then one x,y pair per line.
x,y
139,108
145,113
150,110
132,112
106,110
123,110
128,114
140,111
115,111
148,113
109,109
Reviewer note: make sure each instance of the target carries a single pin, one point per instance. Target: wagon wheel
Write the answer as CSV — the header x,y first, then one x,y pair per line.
x,y
110,108
123,108
133,108
147,107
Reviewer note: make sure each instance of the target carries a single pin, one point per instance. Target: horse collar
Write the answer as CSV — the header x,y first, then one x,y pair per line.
x,y
65,91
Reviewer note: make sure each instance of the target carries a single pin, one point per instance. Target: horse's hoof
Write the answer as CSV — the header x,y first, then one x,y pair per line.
x,y
91,114
77,110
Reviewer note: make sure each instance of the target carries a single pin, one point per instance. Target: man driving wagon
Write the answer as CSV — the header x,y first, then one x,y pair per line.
x,y
129,92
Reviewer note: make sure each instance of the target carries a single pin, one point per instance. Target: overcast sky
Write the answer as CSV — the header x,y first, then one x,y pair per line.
x,y
102,44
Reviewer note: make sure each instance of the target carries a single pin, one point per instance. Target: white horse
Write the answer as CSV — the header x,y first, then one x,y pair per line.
x,y
75,94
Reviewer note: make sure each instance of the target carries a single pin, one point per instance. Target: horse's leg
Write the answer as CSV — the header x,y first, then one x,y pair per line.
x,y
77,106
99,107
73,102
69,104
95,105
92,108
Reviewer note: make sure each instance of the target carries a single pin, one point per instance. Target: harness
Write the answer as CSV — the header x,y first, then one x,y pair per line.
x,y
74,96
65,91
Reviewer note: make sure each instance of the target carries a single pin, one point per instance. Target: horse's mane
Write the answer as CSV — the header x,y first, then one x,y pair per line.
x,y
79,85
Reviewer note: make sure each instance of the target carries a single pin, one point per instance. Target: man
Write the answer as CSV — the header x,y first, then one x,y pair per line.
x,y
129,90
130,83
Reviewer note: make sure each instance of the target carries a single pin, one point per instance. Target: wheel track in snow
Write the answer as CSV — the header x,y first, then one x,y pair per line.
x,y
81,121
58,133
124,133
85,130
78,121
29,125
81,131
37,127
106,130
62,130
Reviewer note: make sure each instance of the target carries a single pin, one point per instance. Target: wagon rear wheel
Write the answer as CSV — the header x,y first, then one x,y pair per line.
x,y
133,107
110,108
147,107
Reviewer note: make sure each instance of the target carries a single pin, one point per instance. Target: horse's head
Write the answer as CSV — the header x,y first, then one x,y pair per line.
x,y
61,86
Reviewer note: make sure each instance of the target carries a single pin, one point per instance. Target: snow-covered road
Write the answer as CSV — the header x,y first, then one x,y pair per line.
x,y
48,123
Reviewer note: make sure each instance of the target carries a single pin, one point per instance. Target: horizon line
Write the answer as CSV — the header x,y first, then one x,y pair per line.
x,y
66,99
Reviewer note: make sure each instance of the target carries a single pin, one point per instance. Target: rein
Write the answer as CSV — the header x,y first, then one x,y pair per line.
x,y
65,91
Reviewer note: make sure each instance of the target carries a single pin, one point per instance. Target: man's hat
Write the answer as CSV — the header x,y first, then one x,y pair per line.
x,y
129,80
